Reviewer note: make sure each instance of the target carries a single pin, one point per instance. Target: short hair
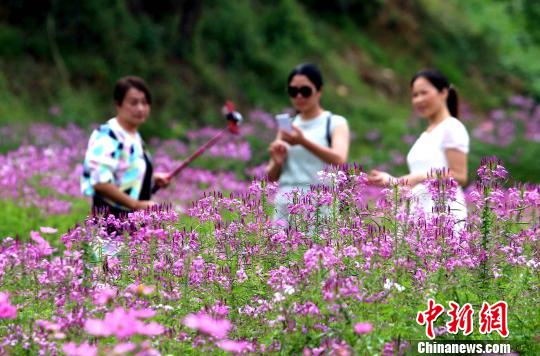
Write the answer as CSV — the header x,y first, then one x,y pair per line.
x,y
123,85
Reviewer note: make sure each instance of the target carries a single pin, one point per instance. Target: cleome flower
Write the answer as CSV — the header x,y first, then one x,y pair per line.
x,y
234,346
363,328
123,324
205,324
84,349
7,311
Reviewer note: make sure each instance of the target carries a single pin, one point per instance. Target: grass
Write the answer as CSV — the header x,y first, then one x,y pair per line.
x,y
18,220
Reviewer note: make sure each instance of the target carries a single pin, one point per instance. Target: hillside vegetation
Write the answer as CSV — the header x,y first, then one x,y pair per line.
x,y
59,60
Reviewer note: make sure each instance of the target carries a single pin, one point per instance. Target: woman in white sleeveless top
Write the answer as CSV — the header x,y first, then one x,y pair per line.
x,y
444,143
317,138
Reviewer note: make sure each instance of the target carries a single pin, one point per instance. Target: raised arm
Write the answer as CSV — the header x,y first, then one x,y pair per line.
x,y
278,154
337,154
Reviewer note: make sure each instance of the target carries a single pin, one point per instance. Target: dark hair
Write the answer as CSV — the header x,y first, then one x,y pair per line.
x,y
309,70
124,84
440,82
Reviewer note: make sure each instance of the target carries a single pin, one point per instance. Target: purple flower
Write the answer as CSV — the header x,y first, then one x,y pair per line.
x,y
373,135
55,110
408,139
491,170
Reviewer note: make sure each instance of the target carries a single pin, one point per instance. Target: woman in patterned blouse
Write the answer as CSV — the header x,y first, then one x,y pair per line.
x,y
117,170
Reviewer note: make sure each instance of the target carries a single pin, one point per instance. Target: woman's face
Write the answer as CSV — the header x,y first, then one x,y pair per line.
x,y
134,109
298,85
426,99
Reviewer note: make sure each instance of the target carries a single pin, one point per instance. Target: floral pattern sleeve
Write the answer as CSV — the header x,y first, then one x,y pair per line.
x,y
101,160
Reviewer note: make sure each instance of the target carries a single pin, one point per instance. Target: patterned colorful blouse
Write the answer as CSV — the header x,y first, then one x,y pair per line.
x,y
117,157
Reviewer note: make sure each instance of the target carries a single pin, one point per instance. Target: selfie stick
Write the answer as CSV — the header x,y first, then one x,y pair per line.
x,y
234,118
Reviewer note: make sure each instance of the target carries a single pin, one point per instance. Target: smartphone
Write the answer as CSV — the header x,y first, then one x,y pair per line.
x,y
284,122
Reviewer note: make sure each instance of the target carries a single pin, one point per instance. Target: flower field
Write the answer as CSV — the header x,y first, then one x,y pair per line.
x,y
212,273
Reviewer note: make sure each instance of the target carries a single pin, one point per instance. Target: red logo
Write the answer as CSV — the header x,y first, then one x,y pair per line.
x,y
493,318
461,318
429,316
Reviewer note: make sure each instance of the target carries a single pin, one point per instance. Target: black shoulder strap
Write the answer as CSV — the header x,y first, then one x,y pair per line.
x,y
328,134
146,151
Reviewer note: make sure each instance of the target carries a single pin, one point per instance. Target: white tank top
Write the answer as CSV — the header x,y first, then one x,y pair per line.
x,y
301,166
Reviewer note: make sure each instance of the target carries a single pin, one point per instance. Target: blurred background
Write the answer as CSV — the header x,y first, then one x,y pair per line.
x,y
59,60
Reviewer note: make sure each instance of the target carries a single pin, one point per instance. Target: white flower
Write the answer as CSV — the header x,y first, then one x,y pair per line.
x,y
532,263
388,284
399,288
278,297
288,290
326,177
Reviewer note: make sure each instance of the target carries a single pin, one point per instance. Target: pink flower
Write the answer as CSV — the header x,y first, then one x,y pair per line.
x,y
350,251
124,348
48,325
233,346
7,311
150,329
219,309
363,328
140,289
103,295
241,275
96,327
84,349
147,350
123,324
143,313
43,247
207,325
113,262
48,230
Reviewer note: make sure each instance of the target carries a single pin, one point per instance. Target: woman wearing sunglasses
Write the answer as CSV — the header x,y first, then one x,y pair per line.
x,y
317,138
444,143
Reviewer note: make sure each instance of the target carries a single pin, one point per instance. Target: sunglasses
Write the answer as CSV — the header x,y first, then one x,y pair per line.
x,y
304,91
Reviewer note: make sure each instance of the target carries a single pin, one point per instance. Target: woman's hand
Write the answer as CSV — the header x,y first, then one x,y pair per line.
x,y
278,154
294,137
144,204
379,178
278,151
162,179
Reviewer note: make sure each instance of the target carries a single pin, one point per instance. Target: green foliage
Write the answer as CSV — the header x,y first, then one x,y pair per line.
x,y
19,220
195,55
498,47
12,108
519,158
11,41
